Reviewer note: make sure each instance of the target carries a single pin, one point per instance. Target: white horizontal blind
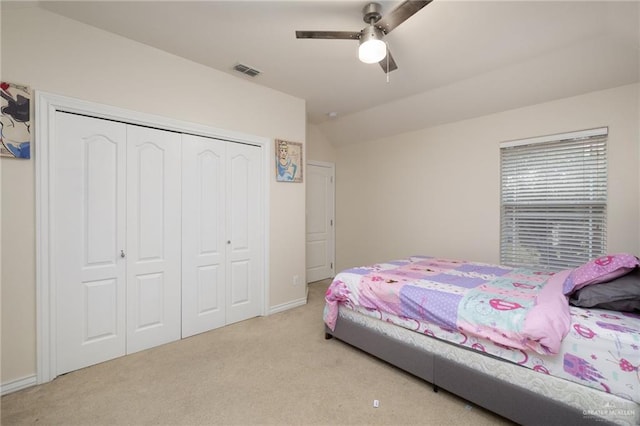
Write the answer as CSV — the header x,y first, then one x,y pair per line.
x,y
554,200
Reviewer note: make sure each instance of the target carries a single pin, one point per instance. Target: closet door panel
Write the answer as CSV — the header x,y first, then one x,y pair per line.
x,y
88,232
149,180
245,218
240,277
153,237
203,234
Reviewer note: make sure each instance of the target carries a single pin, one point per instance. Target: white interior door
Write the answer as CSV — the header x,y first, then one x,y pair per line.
x,y
153,237
203,234
88,232
245,213
320,217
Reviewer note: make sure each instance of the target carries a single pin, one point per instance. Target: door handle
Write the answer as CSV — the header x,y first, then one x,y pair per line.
x,y
122,253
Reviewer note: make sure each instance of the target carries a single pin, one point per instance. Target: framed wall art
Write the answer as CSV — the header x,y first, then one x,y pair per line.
x,y
15,121
289,160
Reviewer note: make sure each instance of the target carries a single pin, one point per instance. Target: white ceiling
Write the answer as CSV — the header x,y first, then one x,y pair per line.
x,y
456,59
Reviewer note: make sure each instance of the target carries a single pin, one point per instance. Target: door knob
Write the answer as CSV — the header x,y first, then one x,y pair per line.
x,y
122,253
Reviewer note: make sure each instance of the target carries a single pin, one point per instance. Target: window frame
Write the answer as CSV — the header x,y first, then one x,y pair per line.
x,y
546,207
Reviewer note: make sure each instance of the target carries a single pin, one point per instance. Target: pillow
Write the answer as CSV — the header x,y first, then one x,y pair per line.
x,y
599,270
621,294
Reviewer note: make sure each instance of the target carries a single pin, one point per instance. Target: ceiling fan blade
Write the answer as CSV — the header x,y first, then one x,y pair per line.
x,y
400,14
391,64
338,35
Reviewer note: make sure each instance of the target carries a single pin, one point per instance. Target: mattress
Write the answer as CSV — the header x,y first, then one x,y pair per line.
x,y
600,405
601,349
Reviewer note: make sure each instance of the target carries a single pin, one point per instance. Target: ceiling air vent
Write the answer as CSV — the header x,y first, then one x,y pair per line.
x,y
244,69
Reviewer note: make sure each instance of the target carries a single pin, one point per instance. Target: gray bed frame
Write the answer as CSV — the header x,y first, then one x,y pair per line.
x,y
516,403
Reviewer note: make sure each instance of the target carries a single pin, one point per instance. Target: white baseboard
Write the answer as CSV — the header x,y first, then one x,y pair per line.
x,y
19,384
286,306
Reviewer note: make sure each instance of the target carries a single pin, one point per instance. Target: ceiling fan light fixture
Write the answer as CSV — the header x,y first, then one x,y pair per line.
x,y
372,49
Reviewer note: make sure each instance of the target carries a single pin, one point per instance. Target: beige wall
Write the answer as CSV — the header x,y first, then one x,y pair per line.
x,y
58,55
436,191
319,148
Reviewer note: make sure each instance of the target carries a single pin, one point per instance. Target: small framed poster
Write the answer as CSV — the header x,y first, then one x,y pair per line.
x,y
15,122
288,161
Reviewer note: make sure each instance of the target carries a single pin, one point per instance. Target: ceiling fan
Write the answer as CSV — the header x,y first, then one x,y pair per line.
x,y
372,48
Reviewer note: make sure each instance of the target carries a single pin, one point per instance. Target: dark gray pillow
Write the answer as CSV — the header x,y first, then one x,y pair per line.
x,y
620,294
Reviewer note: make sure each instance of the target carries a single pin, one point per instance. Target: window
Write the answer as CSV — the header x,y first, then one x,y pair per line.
x,y
554,200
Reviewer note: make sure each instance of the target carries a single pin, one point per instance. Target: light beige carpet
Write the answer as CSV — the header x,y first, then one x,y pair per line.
x,y
269,370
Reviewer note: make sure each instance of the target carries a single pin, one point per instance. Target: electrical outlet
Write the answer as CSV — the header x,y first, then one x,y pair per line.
x,y
296,280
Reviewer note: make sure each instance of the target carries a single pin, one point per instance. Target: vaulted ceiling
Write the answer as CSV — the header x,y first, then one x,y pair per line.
x,y
456,59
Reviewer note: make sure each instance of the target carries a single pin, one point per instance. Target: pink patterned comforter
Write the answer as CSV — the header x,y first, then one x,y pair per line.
x,y
516,314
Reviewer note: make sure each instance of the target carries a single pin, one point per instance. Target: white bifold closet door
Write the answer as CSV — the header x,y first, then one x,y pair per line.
x,y
153,237
222,233
116,239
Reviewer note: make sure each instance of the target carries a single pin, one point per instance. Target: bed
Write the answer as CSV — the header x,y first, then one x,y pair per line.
x,y
503,338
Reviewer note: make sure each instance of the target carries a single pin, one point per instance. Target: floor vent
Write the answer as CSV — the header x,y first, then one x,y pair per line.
x,y
244,69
